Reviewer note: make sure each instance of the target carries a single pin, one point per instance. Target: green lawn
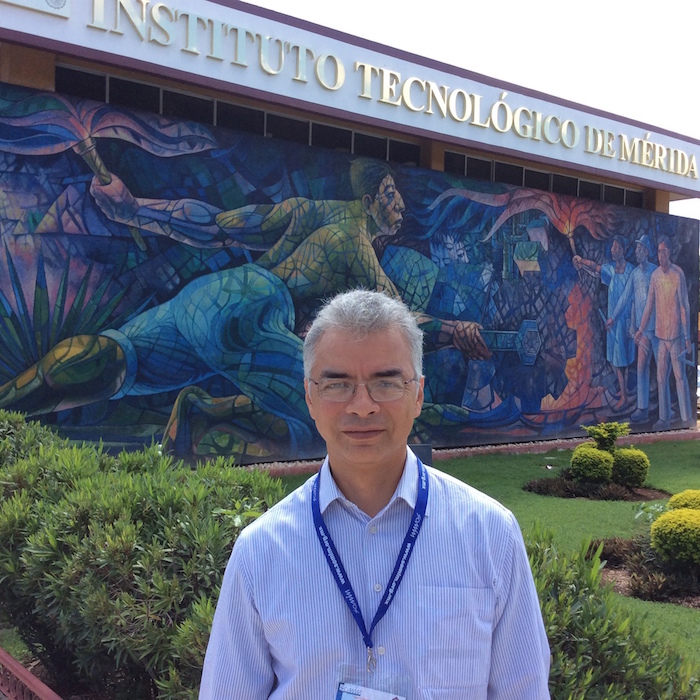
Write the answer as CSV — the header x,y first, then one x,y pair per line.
x,y
675,466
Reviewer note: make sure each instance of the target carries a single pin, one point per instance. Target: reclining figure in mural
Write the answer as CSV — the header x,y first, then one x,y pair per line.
x,y
244,323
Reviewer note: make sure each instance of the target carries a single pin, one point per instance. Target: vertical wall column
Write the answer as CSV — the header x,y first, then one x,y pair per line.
x,y
20,65
432,156
657,200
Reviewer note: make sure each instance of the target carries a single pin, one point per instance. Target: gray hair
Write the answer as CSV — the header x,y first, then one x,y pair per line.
x,y
360,313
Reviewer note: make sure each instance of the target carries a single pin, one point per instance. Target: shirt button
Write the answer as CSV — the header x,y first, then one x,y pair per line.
x,y
377,587
373,529
381,651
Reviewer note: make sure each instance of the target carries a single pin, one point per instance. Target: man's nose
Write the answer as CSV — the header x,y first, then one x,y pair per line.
x,y
361,403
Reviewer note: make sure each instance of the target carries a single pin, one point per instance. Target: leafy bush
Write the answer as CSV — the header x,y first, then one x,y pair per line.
x,y
598,651
675,535
562,487
630,467
650,576
113,564
591,465
613,492
690,498
614,551
19,437
605,434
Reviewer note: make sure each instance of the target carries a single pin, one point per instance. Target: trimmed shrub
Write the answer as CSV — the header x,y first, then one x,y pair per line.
x,y
591,465
690,498
20,438
605,434
675,536
630,467
598,651
112,565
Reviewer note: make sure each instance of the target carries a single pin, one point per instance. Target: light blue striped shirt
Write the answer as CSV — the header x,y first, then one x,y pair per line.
x,y
465,623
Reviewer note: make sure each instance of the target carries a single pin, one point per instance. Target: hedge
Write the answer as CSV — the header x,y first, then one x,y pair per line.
x,y
112,565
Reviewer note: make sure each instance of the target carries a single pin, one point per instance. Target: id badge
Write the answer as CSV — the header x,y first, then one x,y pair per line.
x,y
350,691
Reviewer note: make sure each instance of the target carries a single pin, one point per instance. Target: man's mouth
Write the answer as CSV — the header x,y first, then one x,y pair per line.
x,y
362,433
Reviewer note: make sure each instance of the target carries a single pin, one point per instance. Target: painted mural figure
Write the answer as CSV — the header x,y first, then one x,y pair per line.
x,y
243,323
634,298
620,346
668,303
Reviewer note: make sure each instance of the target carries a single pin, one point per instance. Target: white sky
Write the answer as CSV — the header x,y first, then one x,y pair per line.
x,y
633,59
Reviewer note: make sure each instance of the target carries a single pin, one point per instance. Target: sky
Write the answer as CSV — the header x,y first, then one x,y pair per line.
x,y
631,59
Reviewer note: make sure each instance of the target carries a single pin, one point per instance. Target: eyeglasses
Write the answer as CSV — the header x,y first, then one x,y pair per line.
x,y
379,390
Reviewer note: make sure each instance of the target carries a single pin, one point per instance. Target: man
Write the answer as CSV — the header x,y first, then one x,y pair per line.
x,y
632,303
244,323
320,596
619,346
668,301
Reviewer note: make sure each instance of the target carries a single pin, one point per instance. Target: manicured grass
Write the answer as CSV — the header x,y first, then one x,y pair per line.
x,y
673,625
12,643
675,466
572,520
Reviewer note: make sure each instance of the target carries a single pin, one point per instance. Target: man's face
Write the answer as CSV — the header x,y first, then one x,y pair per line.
x,y
616,251
362,434
641,253
387,208
664,255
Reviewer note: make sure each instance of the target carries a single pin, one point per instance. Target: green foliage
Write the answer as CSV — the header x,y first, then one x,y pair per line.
x,y
648,511
561,487
591,465
19,438
630,467
690,498
605,434
113,564
25,336
598,651
675,535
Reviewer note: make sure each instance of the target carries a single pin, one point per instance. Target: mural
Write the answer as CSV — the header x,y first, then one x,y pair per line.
x,y
157,279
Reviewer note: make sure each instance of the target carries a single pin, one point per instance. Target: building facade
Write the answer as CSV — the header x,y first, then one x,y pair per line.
x,y
182,184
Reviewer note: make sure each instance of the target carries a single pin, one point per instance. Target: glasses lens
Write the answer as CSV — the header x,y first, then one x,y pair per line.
x,y
335,390
386,389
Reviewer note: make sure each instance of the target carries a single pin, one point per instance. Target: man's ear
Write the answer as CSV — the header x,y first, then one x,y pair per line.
x,y
419,397
367,202
307,397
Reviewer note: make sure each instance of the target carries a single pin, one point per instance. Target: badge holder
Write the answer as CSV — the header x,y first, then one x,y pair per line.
x,y
356,684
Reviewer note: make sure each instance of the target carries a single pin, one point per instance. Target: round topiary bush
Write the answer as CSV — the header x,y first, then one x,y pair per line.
x,y
591,465
690,498
630,467
675,536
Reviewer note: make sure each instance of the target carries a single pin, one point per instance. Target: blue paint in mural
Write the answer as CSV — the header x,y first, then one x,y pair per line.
x,y
157,279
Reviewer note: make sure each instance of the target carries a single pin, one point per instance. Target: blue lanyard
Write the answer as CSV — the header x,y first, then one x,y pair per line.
x,y
338,570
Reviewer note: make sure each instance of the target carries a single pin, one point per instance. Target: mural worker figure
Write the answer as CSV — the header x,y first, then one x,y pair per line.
x,y
242,323
378,574
634,298
668,304
620,346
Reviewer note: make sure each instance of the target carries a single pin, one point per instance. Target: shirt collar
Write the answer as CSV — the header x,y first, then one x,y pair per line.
x,y
407,488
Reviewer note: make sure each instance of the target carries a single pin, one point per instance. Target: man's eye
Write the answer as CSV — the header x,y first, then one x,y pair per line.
x,y
386,384
335,385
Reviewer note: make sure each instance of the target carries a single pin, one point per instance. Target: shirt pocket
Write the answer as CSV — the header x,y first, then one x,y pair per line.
x,y
456,626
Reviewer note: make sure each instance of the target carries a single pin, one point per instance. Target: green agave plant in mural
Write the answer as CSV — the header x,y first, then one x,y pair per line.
x,y
25,337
